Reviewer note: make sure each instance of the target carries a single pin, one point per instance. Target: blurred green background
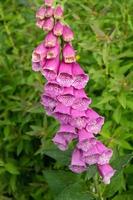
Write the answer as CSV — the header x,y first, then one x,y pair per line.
x,y
31,168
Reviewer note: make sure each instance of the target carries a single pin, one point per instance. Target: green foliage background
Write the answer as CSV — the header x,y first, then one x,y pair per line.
x,y
31,168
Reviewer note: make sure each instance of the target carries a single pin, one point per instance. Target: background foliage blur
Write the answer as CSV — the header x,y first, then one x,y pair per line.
x,y
31,168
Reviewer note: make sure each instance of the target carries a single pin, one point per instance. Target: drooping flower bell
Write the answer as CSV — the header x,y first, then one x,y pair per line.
x,y
77,165
106,172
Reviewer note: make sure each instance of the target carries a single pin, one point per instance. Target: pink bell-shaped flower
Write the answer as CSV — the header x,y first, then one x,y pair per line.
x,y
81,100
53,88
60,141
67,97
48,101
106,172
77,165
50,69
80,78
94,121
64,136
86,140
65,77
78,119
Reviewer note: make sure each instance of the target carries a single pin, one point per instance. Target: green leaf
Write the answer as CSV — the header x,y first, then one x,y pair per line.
x,y
52,151
117,114
122,100
117,183
77,191
58,180
124,196
92,170
11,168
122,161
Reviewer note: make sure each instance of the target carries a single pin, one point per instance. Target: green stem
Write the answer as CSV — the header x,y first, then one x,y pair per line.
x,y
96,184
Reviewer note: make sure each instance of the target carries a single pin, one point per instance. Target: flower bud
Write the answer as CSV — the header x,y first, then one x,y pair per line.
x,y
58,29
48,24
41,13
49,12
39,23
50,40
58,13
67,34
69,54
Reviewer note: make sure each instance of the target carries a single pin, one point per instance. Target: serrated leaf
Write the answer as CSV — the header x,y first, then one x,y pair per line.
x,y
122,161
92,170
77,191
58,180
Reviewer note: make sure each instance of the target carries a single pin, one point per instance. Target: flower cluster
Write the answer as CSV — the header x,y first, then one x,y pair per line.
x,y
64,96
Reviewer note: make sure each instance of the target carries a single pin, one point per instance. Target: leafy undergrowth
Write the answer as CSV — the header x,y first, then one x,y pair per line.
x,y
31,168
